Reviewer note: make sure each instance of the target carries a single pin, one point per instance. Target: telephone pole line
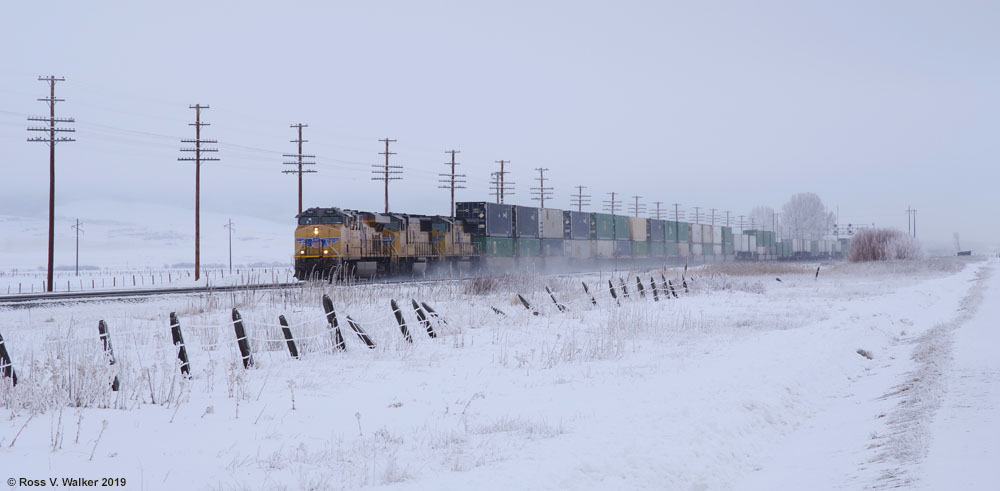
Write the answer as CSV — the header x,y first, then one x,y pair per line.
x,y
78,232
541,192
231,229
612,204
697,214
677,213
198,159
500,187
727,217
299,162
637,207
388,171
741,223
580,199
51,139
657,203
713,216
453,180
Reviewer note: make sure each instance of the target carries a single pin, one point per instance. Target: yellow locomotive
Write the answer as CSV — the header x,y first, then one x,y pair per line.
x,y
340,242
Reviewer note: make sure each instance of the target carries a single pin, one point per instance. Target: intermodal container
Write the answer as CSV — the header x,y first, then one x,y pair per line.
x,y
623,248
637,229
696,250
550,223
602,226
657,249
717,235
603,248
578,249
697,236
670,230
622,228
552,247
494,246
683,232
525,222
527,247
716,249
640,248
656,230
683,248
576,225
672,249
485,218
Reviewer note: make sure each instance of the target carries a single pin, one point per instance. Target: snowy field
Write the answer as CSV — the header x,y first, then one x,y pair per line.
x,y
869,376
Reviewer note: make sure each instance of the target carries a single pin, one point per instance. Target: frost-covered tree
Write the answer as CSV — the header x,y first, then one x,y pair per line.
x,y
804,216
760,218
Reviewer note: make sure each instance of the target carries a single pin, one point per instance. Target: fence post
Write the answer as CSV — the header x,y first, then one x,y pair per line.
x,y
652,285
587,290
526,304
331,319
241,340
433,313
288,337
360,332
6,366
182,354
638,286
561,307
109,352
611,288
422,317
624,287
400,320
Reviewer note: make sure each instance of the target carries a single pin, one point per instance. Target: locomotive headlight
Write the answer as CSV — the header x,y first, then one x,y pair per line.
x,y
315,230
325,251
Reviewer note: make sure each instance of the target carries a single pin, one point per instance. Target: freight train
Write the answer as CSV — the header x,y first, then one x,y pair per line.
x,y
341,242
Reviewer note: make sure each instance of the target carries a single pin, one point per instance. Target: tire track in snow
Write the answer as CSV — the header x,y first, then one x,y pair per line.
x,y
905,442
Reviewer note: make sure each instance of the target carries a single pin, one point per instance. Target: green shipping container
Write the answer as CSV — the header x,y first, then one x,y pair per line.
x,y
727,235
602,226
640,248
727,249
525,247
670,231
622,228
657,249
552,247
494,246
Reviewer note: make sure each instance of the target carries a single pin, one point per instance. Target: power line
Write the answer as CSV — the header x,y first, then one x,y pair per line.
x,y
657,203
713,216
51,139
541,192
453,181
387,171
580,199
299,162
198,159
637,207
231,230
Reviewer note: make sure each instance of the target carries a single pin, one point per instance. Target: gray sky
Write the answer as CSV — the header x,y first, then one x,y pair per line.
x,y
872,105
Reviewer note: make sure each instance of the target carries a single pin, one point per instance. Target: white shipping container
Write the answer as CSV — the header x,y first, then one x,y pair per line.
x,y
684,249
742,243
603,248
695,233
550,223
717,234
638,229
762,250
696,250
751,242
716,249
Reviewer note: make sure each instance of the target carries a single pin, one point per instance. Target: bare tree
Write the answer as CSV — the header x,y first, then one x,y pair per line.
x,y
804,216
760,218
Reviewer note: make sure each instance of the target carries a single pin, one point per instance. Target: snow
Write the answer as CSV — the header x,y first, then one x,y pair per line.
x,y
745,383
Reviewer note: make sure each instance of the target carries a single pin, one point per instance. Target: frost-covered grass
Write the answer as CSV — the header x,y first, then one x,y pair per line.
x,y
681,392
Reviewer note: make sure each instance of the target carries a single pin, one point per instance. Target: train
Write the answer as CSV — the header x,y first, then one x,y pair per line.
x,y
332,242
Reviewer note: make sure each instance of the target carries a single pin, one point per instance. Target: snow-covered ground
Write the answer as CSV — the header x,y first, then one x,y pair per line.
x,y
746,382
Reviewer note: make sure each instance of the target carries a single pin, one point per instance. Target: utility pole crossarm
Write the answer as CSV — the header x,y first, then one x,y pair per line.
x,y
300,159
580,199
387,172
541,192
198,150
452,180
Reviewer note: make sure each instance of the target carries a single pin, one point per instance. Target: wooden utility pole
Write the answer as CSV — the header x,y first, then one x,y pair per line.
x,y
299,160
231,229
580,199
741,223
500,187
727,217
51,139
387,171
541,192
198,159
713,215
452,181
657,203
697,214
78,232
610,205
637,207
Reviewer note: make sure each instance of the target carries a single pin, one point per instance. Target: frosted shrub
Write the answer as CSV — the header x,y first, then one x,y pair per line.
x,y
881,244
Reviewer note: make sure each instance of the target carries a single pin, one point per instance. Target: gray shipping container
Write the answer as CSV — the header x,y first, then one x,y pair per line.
x,y
525,221
576,225
656,232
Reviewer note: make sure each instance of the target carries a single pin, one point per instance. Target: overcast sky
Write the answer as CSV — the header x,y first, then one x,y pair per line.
x,y
872,105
